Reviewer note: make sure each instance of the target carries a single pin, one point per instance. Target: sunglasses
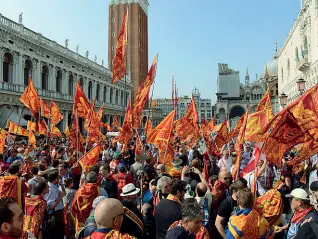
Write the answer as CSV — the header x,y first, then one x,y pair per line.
x,y
227,178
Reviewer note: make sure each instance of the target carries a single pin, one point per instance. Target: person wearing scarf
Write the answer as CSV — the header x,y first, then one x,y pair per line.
x,y
169,209
303,212
240,225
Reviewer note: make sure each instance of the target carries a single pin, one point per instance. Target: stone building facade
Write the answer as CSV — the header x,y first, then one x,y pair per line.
x,y
298,57
55,70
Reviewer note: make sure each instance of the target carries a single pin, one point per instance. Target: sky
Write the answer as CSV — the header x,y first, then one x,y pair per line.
x,y
191,37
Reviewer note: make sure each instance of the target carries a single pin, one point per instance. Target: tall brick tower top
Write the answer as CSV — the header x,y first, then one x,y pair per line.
x,y
137,48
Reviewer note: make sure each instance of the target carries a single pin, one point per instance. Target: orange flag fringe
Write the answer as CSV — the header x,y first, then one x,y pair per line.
x,y
45,109
14,128
81,104
239,146
119,61
90,158
31,99
142,94
56,115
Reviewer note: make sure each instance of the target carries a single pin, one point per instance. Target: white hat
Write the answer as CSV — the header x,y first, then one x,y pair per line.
x,y
129,190
298,193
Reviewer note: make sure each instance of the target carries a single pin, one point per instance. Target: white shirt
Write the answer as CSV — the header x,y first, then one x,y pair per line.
x,y
225,164
250,181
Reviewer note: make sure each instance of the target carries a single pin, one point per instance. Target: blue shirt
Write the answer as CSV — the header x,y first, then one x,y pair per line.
x,y
51,197
103,192
294,228
10,160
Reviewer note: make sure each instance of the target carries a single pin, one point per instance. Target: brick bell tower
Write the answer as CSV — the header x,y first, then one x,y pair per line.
x,y
137,48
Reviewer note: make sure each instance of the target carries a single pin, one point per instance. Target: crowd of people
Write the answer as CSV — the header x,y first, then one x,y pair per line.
x,y
44,193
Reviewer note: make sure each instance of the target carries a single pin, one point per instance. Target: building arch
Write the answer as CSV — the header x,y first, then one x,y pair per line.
x,y
116,97
7,67
27,71
45,77
236,111
70,84
81,82
59,81
111,95
105,94
98,92
90,90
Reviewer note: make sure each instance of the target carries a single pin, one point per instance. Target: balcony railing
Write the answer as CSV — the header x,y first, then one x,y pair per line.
x,y
304,63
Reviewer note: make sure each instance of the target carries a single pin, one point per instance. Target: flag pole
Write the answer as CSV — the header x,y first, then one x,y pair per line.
x,y
76,117
126,56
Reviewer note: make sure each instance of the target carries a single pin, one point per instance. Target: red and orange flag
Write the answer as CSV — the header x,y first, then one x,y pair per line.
x,y
207,135
239,146
67,131
75,135
90,116
3,136
90,159
211,124
81,104
148,127
31,99
235,132
31,126
56,115
116,123
106,126
119,61
127,131
43,128
32,139
138,148
14,128
55,132
142,94
45,109
222,137
163,131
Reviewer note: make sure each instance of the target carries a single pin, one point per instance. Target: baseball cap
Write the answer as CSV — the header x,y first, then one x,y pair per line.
x,y
298,193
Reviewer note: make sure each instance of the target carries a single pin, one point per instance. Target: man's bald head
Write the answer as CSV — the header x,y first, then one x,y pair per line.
x,y
225,177
201,189
109,213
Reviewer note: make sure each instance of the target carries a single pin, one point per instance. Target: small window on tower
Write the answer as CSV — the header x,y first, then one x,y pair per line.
x,y
113,48
113,34
113,19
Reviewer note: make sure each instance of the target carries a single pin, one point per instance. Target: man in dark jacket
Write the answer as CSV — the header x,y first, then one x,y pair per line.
x,y
107,182
169,209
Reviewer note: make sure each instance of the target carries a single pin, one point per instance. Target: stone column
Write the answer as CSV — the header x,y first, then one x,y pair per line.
x,y
38,74
93,89
65,82
20,80
52,79
1,68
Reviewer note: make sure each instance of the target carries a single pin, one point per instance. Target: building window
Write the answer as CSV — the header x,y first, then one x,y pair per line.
x,y
288,68
111,95
27,71
70,85
90,90
122,97
113,34
113,48
45,77
113,20
97,92
282,74
59,81
297,54
116,97
105,94
7,67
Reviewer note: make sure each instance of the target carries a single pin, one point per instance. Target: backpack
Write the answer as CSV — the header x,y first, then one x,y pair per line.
x,y
80,234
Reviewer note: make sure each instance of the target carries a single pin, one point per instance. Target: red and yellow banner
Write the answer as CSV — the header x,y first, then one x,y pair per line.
x,y
32,139
45,109
81,104
211,124
14,128
56,115
55,132
142,94
67,131
31,126
207,135
3,136
90,158
127,131
222,137
119,61
31,99
148,127
43,128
